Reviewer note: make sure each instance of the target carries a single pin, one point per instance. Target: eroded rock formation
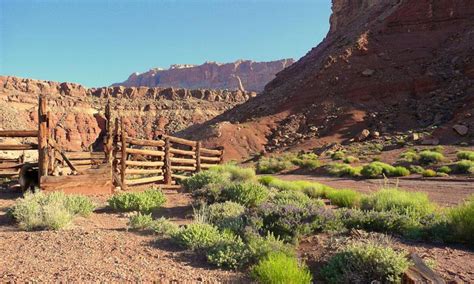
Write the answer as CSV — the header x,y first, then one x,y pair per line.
x,y
252,76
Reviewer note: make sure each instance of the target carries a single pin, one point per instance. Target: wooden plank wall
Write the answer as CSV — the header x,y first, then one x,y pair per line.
x,y
165,161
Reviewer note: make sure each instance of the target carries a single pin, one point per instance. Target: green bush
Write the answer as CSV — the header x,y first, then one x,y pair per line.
x,y
266,180
280,268
197,236
461,219
49,211
202,179
296,198
350,159
409,156
413,204
144,201
465,155
338,155
376,169
416,169
261,247
464,167
271,165
444,169
140,221
400,172
428,173
344,198
338,169
428,157
306,161
230,252
365,263
227,215
249,194
312,189
235,173
164,227
439,149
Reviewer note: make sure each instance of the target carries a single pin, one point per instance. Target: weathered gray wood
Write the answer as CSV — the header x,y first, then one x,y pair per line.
x,y
18,133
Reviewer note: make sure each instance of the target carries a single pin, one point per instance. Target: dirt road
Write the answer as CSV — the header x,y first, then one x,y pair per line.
x,y
443,192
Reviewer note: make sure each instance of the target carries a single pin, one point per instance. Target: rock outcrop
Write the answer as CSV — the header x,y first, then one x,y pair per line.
x,y
239,75
386,66
77,112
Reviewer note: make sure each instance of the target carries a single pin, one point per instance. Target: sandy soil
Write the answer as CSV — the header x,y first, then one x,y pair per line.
x,y
100,248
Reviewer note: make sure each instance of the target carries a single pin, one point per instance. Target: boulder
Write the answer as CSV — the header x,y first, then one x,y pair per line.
x,y
363,135
460,129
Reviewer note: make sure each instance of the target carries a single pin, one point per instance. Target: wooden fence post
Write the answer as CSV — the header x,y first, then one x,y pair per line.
x,y
123,161
198,156
43,135
108,143
167,168
221,156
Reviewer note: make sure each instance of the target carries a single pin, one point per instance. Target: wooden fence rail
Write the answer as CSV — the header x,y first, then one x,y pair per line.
x,y
164,161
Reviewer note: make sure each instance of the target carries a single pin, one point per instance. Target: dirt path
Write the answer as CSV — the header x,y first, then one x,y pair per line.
x,y
445,193
99,249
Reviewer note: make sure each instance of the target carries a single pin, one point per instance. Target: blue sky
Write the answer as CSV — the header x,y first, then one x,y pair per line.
x,y
99,42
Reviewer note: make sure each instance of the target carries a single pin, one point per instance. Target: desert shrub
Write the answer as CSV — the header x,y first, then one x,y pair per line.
x,y
286,221
165,227
399,171
266,180
461,220
261,247
365,263
409,156
464,167
350,159
338,155
235,173
229,252
344,198
271,165
140,221
306,161
280,268
428,157
249,194
144,201
338,169
416,169
296,198
376,159
440,174
428,173
413,204
444,169
438,148
312,189
227,215
49,211
197,236
465,155
202,179
79,205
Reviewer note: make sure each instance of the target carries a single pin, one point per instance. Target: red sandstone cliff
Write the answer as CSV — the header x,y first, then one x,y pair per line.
x,y
77,112
388,66
242,74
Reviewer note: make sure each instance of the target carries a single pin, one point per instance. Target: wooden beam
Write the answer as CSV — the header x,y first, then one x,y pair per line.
x,y
183,168
18,133
182,152
167,159
207,166
79,184
43,135
183,161
124,154
143,142
419,272
145,152
144,164
143,172
198,156
181,141
211,152
181,177
144,180
211,159
85,155
19,147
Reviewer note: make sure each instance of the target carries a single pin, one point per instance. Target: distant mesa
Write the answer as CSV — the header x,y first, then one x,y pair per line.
x,y
244,75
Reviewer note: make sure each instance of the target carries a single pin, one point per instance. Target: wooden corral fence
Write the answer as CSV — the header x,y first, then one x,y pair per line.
x,y
10,167
164,161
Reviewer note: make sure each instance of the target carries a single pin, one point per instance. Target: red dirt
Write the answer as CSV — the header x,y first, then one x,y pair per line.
x,y
100,248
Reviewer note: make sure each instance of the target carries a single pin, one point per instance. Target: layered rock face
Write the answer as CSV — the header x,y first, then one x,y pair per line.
x,y
239,75
77,112
388,66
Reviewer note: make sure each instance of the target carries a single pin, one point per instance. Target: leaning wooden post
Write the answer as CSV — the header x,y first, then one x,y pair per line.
x,y
108,143
42,138
198,156
123,161
167,168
